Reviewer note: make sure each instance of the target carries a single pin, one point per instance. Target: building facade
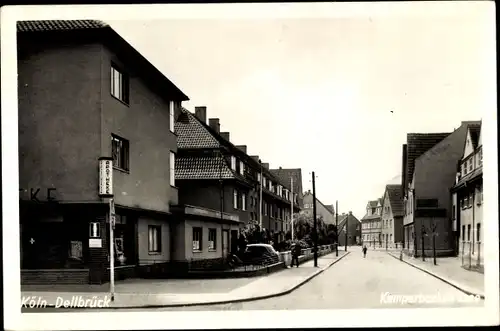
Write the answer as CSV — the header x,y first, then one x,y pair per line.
x,y
392,216
88,99
327,213
467,199
215,174
428,202
371,225
353,226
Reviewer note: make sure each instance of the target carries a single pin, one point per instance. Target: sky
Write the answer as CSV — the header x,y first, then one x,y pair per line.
x,y
336,96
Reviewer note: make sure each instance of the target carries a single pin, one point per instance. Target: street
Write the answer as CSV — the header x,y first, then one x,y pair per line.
x,y
354,283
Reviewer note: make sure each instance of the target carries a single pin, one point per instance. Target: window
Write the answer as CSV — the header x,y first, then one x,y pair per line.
x,y
264,181
242,168
470,164
120,152
244,201
462,235
481,156
197,238
265,208
478,232
471,196
479,195
258,177
172,169
453,212
464,169
233,163
468,232
235,199
119,84
212,239
154,239
172,116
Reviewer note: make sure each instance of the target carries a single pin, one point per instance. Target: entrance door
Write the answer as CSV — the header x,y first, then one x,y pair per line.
x,y
225,243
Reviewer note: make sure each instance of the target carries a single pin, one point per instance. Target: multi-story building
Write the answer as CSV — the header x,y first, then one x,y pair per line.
x,y
292,178
392,216
353,226
214,174
95,121
467,198
371,226
327,213
427,200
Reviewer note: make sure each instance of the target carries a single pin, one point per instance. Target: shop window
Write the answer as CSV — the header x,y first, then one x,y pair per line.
x,y
212,239
154,239
197,237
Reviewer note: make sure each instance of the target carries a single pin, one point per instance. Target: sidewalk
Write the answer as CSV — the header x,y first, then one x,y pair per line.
x,y
449,270
141,293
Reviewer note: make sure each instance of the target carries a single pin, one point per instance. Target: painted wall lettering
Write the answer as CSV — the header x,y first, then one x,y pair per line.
x,y
36,195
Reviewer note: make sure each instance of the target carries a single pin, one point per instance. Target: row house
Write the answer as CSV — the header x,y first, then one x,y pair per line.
x,y
349,229
467,198
326,212
371,225
392,216
96,120
429,171
219,177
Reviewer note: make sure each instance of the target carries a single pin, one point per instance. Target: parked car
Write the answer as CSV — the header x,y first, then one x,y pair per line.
x,y
263,254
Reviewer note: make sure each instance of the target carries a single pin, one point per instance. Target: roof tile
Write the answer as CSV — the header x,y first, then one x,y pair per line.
x,y
395,199
202,167
191,133
58,25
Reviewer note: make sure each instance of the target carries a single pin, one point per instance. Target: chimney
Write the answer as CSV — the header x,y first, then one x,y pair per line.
x,y
225,135
242,148
201,113
255,157
350,213
265,165
214,124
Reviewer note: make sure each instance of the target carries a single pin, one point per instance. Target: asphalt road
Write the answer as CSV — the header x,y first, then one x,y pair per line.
x,y
357,283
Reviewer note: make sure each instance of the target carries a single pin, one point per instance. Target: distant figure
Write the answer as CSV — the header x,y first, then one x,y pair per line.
x,y
295,250
364,251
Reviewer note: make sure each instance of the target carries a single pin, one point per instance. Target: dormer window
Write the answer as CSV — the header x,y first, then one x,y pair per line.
x,y
480,158
470,164
233,163
242,168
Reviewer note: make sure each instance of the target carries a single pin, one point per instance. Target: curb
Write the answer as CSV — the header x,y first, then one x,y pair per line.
x,y
261,297
449,282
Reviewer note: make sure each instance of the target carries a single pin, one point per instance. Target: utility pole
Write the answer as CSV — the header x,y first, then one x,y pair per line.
x,y
291,212
315,225
337,227
346,224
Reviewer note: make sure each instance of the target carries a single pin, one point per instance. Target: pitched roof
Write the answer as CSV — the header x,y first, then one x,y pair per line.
x,y
330,208
447,153
191,133
284,176
395,199
103,32
418,144
370,217
474,130
202,167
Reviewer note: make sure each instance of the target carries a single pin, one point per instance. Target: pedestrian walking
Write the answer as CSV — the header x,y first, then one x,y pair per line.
x,y
295,250
364,251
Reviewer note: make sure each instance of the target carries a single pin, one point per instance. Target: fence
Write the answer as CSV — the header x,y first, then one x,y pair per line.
x,y
306,254
471,254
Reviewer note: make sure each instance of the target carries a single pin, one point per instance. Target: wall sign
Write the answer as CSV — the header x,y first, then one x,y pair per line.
x,y
95,243
106,177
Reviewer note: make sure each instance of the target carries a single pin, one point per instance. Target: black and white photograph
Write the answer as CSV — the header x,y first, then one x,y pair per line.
x,y
250,165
